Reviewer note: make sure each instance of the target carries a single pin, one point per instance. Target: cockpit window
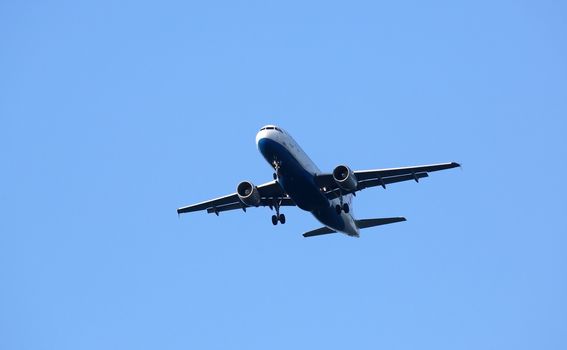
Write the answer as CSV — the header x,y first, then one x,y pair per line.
x,y
271,128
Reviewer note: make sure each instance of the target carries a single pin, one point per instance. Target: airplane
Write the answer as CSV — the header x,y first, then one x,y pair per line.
x,y
298,182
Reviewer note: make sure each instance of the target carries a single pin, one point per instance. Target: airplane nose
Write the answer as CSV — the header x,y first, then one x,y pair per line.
x,y
259,136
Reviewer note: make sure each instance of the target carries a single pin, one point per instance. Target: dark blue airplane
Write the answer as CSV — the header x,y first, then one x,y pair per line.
x,y
298,181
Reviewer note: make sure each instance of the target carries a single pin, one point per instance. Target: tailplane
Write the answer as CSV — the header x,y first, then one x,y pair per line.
x,y
318,232
365,223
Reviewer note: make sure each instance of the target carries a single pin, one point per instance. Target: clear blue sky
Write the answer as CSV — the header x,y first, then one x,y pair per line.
x,y
113,114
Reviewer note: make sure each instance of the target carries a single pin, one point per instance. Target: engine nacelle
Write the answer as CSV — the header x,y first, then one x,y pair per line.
x,y
248,194
345,178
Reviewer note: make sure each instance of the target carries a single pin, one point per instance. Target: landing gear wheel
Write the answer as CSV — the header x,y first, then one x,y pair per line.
x,y
346,209
282,218
275,176
338,209
275,220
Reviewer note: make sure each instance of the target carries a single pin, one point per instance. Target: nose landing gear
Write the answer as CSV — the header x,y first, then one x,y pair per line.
x,y
277,165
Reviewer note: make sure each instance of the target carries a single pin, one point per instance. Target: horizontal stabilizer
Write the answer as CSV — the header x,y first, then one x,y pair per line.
x,y
365,223
318,232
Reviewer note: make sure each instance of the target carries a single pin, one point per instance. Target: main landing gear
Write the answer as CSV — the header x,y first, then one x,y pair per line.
x,y
342,208
278,217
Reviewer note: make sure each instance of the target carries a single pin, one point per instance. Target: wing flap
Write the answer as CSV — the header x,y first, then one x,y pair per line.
x,y
382,173
217,202
227,207
285,202
335,193
390,180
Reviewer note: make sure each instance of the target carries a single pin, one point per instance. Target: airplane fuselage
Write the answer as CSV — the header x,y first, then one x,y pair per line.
x,y
296,174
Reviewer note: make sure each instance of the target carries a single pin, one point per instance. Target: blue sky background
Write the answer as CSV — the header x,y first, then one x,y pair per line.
x,y
113,114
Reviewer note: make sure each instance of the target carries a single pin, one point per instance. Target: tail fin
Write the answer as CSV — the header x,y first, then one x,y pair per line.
x,y
365,223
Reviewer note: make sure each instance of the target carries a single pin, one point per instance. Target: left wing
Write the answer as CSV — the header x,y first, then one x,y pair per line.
x,y
410,170
269,192
380,177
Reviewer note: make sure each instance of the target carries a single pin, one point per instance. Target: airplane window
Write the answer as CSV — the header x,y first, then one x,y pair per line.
x,y
272,128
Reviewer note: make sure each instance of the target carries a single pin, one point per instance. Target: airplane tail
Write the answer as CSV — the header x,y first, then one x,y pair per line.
x,y
365,223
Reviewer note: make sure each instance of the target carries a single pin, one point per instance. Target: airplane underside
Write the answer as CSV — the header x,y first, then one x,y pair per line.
x,y
298,182
301,187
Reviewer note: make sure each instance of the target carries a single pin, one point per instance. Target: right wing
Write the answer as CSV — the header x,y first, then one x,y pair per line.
x,y
269,192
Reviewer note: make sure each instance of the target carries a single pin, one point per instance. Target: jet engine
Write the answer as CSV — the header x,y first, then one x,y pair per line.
x,y
345,178
248,194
